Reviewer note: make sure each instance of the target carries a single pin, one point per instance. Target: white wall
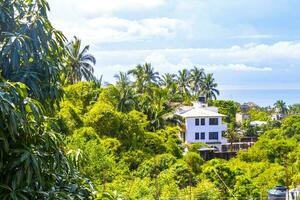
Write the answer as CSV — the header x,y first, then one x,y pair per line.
x,y
191,129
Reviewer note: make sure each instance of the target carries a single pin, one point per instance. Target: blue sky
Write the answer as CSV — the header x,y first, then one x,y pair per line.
x,y
247,44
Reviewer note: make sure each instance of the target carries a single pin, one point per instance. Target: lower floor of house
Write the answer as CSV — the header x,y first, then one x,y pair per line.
x,y
224,151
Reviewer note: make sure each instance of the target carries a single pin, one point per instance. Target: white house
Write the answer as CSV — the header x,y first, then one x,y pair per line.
x,y
203,124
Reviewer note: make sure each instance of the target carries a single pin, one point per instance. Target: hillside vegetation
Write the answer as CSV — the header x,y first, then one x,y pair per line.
x,y
64,135
125,157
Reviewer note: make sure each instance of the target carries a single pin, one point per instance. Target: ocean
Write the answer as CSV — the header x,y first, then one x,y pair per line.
x,y
262,97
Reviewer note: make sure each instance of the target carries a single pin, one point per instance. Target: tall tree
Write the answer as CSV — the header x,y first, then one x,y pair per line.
x,y
32,162
156,105
169,81
149,74
280,106
196,80
209,87
183,83
137,73
125,92
31,49
80,64
144,76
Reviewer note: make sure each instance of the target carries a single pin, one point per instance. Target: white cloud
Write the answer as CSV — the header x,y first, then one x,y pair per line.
x,y
100,21
235,67
106,6
251,53
114,29
161,62
164,64
277,58
192,22
100,6
255,36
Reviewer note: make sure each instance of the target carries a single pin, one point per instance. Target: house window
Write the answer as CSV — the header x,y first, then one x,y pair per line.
x,y
202,121
196,122
197,136
213,121
202,135
213,135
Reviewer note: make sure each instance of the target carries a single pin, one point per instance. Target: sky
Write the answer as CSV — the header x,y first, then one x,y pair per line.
x,y
248,45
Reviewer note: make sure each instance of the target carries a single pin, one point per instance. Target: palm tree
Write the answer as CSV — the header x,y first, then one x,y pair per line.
x,y
144,76
156,105
137,73
79,63
281,107
183,83
168,81
125,94
196,80
150,76
209,87
294,109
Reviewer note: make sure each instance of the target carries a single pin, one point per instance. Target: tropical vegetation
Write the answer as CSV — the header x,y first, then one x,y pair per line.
x,y
66,136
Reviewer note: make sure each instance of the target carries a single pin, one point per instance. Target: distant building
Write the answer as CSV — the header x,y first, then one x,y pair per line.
x,y
245,107
203,124
277,116
241,117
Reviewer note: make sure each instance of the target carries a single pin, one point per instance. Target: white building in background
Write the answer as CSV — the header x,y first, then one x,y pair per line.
x,y
278,116
203,124
241,117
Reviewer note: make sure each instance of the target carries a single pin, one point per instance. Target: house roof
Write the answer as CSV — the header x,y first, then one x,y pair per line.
x,y
199,112
258,123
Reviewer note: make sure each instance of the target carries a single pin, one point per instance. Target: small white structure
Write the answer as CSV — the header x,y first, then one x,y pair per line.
x,y
241,117
258,123
203,124
294,194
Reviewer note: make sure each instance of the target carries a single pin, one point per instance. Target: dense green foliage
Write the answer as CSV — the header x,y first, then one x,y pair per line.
x,y
228,108
30,48
259,115
33,164
294,109
65,139
138,162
